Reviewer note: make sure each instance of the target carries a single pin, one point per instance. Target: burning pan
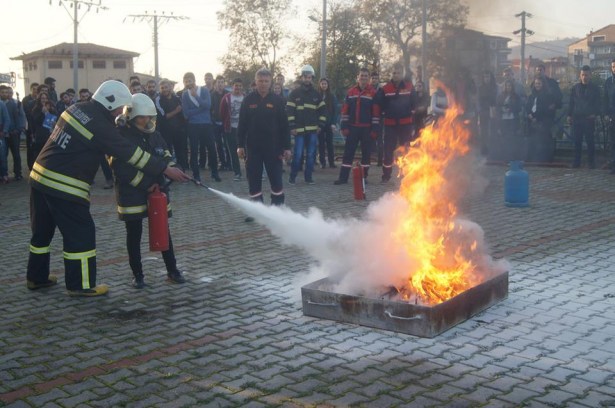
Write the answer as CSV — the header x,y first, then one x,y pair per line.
x,y
418,320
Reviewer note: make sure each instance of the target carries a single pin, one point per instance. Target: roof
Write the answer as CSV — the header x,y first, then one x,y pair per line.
x,y
86,50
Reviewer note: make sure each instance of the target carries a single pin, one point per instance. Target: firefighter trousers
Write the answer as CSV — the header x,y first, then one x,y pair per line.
x,y
79,236
256,159
357,135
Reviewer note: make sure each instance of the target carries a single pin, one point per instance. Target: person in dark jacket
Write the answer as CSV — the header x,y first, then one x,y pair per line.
x,y
396,102
583,109
263,138
60,187
422,100
43,108
221,147
609,111
132,186
487,97
540,110
509,108
325,134
172,124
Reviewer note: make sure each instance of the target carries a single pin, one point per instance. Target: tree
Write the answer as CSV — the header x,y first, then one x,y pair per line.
x,y
256,33
399,22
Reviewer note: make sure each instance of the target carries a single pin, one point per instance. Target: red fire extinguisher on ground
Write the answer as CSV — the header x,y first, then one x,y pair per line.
x,y
158,221
358,182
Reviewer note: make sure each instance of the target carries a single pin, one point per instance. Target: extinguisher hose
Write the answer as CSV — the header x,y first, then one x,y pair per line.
x,y
199,183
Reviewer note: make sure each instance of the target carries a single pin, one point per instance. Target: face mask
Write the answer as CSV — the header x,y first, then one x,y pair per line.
x,y
121,120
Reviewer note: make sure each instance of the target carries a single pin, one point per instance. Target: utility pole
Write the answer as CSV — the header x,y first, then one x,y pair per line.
x,y
156,18
76,5
424,44
524,31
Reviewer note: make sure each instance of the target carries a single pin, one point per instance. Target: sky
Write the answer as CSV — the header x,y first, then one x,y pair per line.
x,y
198,43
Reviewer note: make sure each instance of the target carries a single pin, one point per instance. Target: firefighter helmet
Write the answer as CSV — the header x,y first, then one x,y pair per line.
x,y
307,70
142,105
112,95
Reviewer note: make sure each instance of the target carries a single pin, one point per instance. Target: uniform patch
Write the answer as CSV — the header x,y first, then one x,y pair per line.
x,y
270,106
81,116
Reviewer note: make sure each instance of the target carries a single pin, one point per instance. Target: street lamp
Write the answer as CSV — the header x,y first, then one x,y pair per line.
x,y
323,46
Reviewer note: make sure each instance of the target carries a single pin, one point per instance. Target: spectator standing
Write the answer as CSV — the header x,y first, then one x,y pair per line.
x,y
540,108
487,99
263,137
17,118
379,142
196,105
172,123
135,87
64,102
306,114
150,89
218,130
28,104
51,86
360,125
132,186
509,110
550,86
325,134
396,102
583,109
5,122
230,106
421,106
44,118
609,110
280,80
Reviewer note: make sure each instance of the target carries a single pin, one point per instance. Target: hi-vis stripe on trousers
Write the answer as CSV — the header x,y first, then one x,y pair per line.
x,y
79,240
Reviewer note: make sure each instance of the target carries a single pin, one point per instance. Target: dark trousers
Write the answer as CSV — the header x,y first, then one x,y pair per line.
x,y
79,235
200,135
134,232
325,146
231,142
104,166
178,144
582,127
393,136
271,160
13,141
357,135
221,147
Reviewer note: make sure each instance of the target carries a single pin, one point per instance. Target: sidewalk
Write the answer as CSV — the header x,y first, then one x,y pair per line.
x,y
235,334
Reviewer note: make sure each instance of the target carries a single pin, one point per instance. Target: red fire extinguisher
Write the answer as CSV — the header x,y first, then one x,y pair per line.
x,y
158,221
358,182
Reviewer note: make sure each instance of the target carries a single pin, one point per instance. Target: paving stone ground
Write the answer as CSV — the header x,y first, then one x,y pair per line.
x,y
235,334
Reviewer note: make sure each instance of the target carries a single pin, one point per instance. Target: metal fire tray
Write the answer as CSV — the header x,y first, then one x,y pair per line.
x,y
418,320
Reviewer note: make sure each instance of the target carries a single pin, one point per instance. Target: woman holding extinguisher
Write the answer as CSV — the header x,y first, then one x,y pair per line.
x,y
132,188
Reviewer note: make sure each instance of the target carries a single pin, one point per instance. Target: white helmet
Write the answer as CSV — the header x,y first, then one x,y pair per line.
x,y
307,69
142,105
112,95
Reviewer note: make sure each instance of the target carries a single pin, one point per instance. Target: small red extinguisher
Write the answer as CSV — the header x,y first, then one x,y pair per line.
x,y
158,221
358,182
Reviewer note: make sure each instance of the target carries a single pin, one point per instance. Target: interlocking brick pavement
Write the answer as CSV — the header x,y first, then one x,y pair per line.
x,y
235,334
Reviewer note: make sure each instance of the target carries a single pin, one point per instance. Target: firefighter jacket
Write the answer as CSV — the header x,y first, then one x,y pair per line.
x,y
131,184
306,110
263,124
396,103
360,109
68,162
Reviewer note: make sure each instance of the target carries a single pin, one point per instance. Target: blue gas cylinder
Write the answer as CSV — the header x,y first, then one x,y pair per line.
x,y
516,186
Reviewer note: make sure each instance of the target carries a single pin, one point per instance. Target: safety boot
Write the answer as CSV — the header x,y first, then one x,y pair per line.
x,y
99,290
51,280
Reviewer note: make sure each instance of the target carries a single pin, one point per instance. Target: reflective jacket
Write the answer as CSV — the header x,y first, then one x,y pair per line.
x,y
306,110
68,162
130,183
396,103
361,109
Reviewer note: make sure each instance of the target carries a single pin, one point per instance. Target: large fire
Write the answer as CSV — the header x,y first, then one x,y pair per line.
x,y
429,230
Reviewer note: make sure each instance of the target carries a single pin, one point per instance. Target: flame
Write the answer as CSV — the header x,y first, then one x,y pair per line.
x,y
429,230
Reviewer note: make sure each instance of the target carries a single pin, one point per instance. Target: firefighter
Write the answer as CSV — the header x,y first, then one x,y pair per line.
x,y
396,100
263,138
360,124
60,187
132,185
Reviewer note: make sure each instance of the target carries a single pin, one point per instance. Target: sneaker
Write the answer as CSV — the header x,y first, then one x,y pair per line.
x,y
138,282
51,280
99,290
17,178
338,182
291,180
237,177
176,277
216,178
323,166
249,219
108,185
310,181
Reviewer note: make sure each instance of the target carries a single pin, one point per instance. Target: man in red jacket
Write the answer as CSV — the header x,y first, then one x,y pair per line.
x,y
360,124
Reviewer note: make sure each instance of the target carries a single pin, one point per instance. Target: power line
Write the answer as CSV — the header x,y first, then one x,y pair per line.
x,y
524,31
154,18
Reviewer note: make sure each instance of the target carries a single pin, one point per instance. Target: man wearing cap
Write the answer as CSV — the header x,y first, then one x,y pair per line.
x,y
60,187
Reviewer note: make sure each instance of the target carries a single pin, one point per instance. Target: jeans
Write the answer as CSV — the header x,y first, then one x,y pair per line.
x,y
4,168
325,146
201,135
13,145
231,143
300,142
583,127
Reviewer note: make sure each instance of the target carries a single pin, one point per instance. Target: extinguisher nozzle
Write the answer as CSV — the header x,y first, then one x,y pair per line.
x,y
199,183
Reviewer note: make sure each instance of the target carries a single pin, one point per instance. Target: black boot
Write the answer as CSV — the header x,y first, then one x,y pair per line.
x,y
277,200
138,282
344,174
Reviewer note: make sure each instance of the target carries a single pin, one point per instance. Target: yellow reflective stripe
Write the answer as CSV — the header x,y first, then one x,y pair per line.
x,y
58,186
311,128
85,268
167,153
136,156
137,179
300,129
132,210
323,118
61,177
291,118
321,104
75,124
309,105
143,160
290,104
39,250
300,107
169,207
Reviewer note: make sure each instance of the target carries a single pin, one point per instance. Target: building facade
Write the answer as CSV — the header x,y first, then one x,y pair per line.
x,y
597,50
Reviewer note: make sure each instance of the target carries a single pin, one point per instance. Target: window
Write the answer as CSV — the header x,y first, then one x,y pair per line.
x,y
54,64
119,64
79,64
99,64
597,38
